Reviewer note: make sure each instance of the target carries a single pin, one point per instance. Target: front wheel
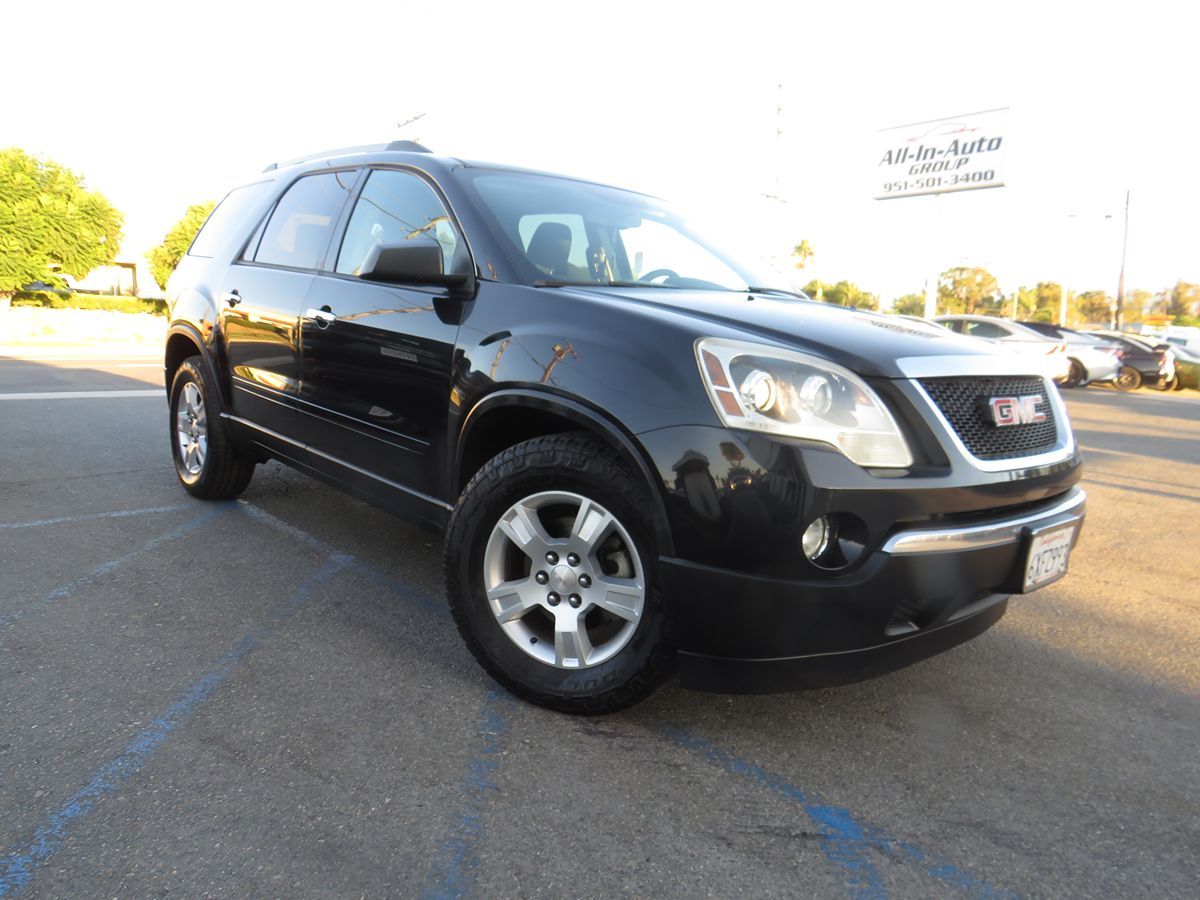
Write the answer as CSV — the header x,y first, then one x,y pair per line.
x,y
1128,379
551,576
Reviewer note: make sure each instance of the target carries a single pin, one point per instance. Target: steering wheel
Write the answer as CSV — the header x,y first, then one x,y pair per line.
x,y
666,274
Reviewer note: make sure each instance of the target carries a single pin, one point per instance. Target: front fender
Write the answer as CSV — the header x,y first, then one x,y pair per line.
x,y
587,418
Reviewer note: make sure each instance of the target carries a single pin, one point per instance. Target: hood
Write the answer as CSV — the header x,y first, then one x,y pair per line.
x,y
864,342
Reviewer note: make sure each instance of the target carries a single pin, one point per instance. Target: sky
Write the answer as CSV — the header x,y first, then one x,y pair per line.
x,y
714,106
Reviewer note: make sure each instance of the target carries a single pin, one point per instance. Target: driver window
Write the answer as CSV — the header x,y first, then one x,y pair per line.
x,y
395,207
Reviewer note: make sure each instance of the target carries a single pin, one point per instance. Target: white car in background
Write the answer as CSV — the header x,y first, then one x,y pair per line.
x,y
1052,356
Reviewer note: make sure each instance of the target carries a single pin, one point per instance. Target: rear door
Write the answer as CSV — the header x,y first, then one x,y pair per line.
x,y
377,358
263,294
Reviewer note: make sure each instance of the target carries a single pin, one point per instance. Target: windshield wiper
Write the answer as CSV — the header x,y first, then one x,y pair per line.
x,y
772,290
555,282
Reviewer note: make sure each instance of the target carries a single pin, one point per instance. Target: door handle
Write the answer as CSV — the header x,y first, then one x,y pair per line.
x,y
323,316
233,298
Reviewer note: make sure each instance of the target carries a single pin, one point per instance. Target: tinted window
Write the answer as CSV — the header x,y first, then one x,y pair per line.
x,y
1043,328
395,207
985,330
301,225
230,213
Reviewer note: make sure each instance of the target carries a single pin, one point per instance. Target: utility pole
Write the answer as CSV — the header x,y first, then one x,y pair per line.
x,y
1121,279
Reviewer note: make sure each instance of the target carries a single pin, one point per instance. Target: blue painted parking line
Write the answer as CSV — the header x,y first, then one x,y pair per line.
x,y
8,619
18,866
372,573
846,841
88,517
456,866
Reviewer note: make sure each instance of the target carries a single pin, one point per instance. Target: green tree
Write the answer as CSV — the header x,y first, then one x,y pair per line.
x,y
844,293
1138,303
1093,307
909,305
166,256
50,223
1185,300
803,253
969,290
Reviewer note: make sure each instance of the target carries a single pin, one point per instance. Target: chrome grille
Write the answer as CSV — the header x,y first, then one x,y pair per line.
x,y
964,404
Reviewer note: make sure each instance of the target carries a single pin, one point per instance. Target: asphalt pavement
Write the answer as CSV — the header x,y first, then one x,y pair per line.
x,y
267,697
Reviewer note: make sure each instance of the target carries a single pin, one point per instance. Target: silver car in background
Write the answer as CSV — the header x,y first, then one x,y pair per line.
x,y
1092,358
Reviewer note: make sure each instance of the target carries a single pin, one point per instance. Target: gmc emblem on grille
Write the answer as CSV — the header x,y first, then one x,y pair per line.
x,y
1016,410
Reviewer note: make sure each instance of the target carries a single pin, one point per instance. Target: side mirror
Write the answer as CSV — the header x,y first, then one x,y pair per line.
x,y
412,264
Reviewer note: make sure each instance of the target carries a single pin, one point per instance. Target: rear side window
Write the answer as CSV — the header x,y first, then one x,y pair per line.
x,y
301,225
230,213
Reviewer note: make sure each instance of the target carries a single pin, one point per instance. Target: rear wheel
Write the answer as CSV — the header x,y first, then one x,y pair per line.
x,y
1128,379
551,576
205,460
1077,374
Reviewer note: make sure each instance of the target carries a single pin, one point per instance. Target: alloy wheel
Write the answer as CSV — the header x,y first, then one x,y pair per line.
x,y
191,429
564,580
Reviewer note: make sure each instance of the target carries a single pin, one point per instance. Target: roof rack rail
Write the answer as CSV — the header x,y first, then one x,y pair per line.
x,y
404,146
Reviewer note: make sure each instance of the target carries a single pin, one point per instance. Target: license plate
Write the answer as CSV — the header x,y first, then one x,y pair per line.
x,y
1047,559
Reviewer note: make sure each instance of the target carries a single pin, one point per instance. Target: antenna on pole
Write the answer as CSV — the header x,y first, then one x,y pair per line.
x,y
777,193
409,121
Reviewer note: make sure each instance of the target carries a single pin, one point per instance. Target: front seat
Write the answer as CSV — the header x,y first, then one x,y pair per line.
x,y
549,248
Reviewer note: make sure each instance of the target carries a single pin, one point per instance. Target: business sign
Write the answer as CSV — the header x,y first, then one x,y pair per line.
x,y
962,153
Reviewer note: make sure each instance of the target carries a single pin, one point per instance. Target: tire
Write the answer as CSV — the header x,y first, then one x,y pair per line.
x,y
1164,385
205,460
1177,383
551,519
1128,379
1077,375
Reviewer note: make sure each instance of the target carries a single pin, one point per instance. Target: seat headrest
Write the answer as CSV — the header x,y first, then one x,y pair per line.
x,y
550,247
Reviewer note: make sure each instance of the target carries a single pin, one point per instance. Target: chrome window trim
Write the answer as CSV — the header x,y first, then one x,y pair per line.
x,y
975,537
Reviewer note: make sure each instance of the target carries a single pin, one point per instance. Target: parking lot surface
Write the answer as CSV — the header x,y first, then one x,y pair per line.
x,y
267,697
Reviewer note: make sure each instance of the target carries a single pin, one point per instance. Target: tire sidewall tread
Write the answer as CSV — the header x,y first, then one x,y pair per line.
x,y
574,462
224,474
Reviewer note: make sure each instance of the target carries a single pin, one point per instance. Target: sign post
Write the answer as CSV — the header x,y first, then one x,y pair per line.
x,y
941,156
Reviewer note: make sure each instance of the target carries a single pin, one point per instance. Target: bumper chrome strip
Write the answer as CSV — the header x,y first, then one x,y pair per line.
x,y
974,537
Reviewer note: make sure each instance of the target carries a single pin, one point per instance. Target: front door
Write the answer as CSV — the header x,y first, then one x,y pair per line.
x,y
376,359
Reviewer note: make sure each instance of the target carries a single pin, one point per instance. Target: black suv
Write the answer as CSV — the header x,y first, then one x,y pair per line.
x,y
643,456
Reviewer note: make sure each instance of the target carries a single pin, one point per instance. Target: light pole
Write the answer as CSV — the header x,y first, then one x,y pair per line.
x,y
1121,278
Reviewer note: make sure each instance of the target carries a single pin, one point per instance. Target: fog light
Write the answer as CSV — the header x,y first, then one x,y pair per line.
x,y
815,539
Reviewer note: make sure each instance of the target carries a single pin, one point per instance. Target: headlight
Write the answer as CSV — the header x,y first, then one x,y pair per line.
x,y
783,392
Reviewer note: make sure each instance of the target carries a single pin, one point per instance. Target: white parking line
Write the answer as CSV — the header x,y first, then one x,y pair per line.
x,y
122,362
83,395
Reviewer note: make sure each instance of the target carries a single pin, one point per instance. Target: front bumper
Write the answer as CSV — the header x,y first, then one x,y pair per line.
x,y
926,589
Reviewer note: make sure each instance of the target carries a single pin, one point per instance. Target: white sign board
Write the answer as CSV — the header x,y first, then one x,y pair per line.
x,y
962,153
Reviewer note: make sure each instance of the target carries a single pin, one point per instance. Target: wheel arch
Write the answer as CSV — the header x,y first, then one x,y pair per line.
x,y
183,340
507,417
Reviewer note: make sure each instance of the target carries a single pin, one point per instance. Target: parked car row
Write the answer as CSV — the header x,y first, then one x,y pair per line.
x,y
1076,358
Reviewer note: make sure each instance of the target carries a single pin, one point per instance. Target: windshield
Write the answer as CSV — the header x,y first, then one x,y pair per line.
x,y
562,232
